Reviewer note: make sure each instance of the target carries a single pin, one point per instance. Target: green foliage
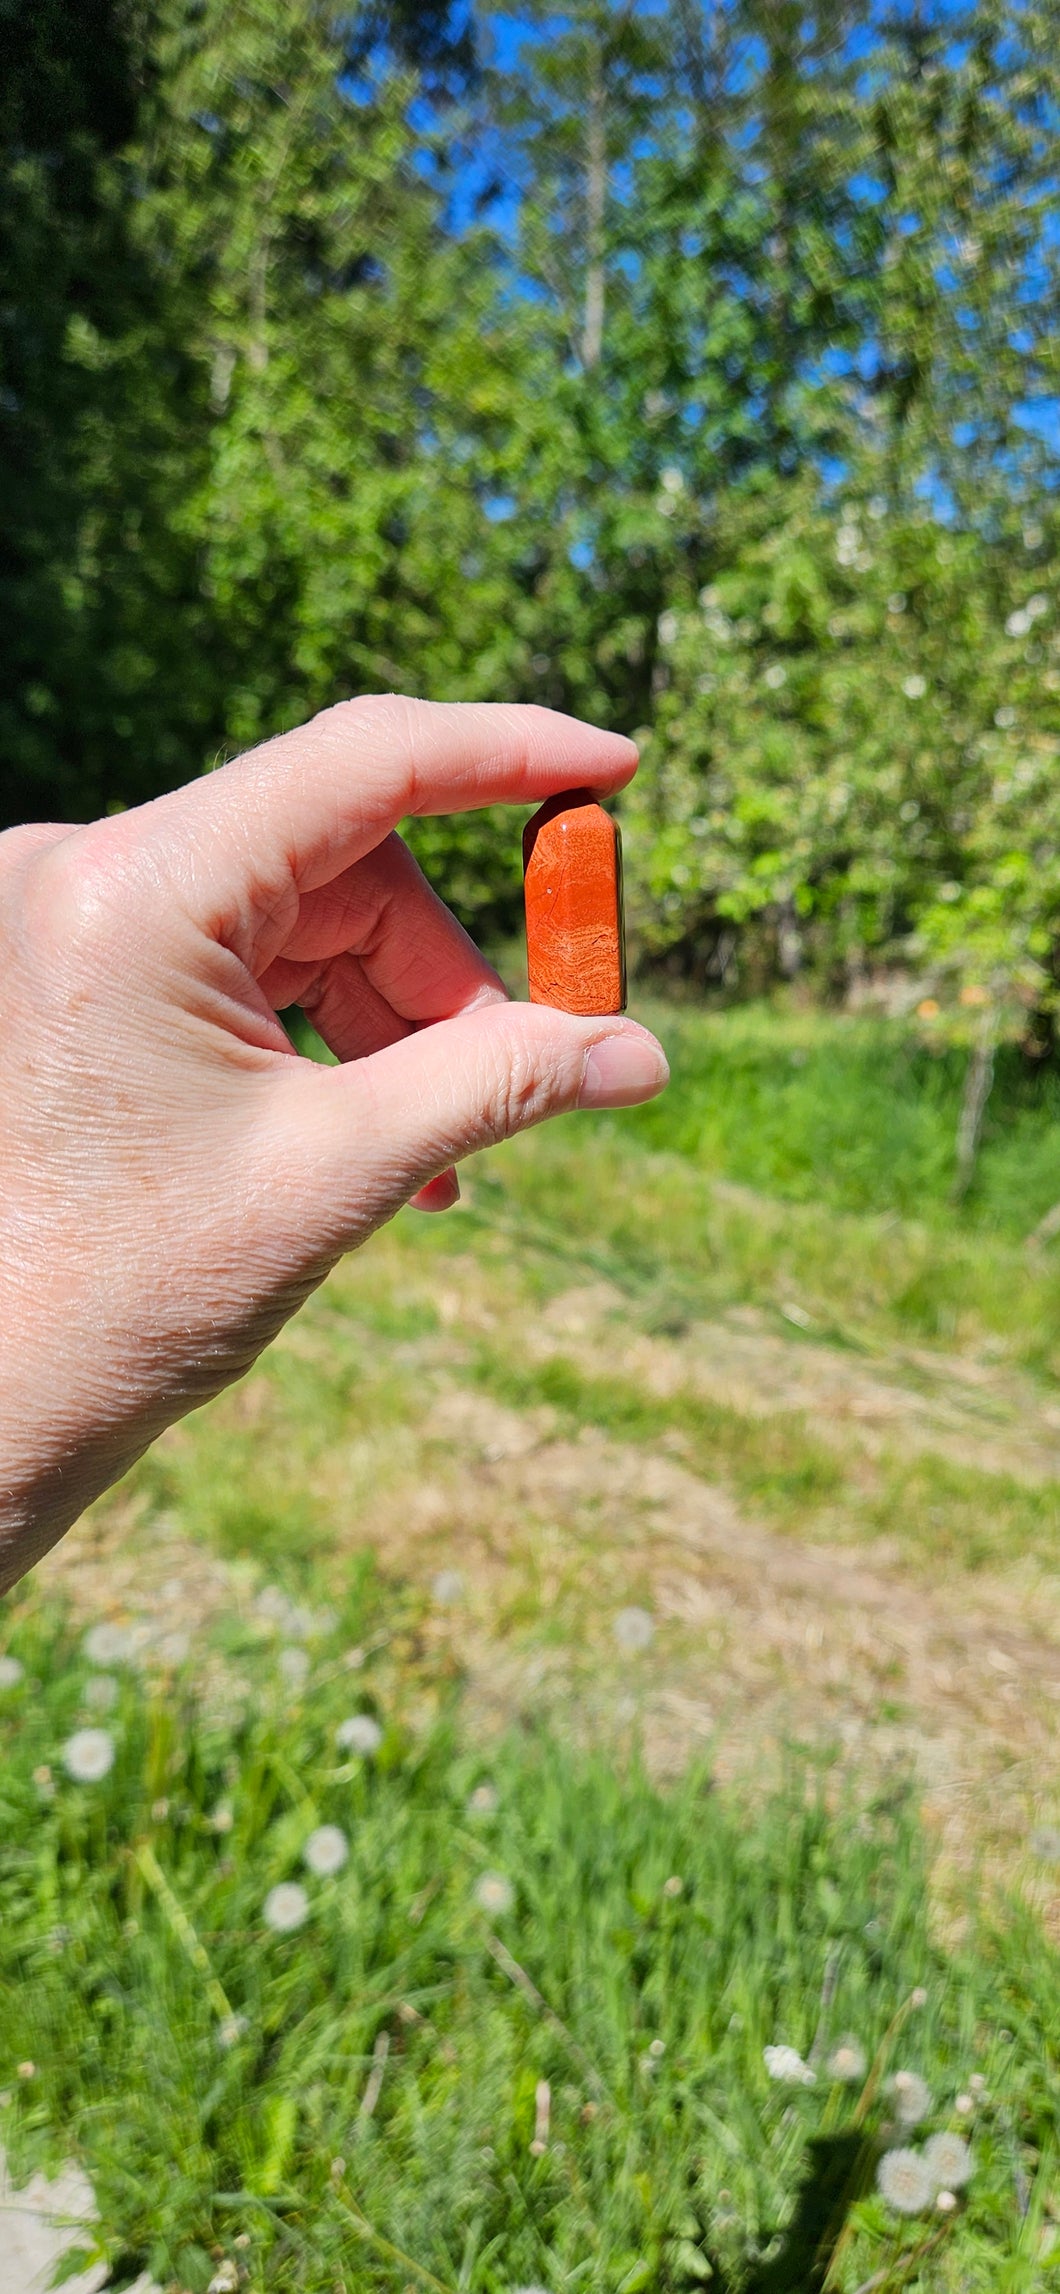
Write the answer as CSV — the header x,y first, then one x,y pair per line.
x,y
690,368
357,2094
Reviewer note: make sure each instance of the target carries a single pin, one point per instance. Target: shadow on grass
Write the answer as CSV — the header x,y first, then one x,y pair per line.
x,y
839,2171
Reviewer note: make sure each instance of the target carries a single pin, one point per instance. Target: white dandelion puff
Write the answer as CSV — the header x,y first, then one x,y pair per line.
x,y
101,1692
977,2083
221,1819
674,1886
359,1734
914,687
326,1850
945,2201
10,1672
848,2060
786,2065
109,1644
230,2030
634,1630
672,480
912,2097
25,2071
447,1588
1018,623
918,1996
1004,718
775,676
494,1894
484,1800
905,2182
293,1665
949,2161
88,1755
225,2279
964,2105
1036,606
286,1907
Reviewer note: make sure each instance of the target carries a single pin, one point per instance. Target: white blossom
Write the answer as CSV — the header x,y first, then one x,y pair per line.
x,y
109,1644
634,1629
914,687
775,676
88,1755
905,2182
359,1734
101,1692
1018,623
949,2161
326,1850
10,1672
493,1893
786,2065
286,1907
848,2060
912,2097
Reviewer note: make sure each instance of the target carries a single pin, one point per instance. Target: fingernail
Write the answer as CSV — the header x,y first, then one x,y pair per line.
x,y
622,1070
439,1194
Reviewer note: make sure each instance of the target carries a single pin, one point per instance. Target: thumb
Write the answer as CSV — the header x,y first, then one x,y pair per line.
x,y
349,1145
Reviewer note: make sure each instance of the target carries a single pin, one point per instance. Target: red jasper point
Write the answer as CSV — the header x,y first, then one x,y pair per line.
x,y
575,942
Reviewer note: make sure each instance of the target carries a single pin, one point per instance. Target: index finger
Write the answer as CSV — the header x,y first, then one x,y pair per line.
x,y
285,818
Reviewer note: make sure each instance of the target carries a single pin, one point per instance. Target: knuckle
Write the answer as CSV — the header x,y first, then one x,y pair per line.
x,y
78,892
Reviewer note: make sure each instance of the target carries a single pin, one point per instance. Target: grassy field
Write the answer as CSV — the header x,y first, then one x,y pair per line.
x,y
684,1512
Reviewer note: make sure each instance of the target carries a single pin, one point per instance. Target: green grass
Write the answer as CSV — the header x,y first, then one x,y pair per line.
x,y
800,1166
132,1929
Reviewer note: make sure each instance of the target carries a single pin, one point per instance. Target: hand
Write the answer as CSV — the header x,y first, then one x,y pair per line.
x,y
175,1181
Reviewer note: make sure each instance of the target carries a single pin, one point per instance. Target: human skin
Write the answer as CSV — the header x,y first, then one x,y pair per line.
x,y
174,1181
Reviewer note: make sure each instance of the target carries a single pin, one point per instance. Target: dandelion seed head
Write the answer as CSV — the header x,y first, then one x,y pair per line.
x,y
912,2097
26,2071
634,1630
484,1801
230,2030
977,2083
918,1996
848,2060
914,687
949,2161
674,1886
1004,718
775,676
447,1588
286,1907
964,2105
945,2201
110,1644
786,2065
221,1820
494,1893
225,2279
672,480
101,1693
88,1755
326,1850
359,1734
904,2181
657,2047
42,1778
10,1672
294,1667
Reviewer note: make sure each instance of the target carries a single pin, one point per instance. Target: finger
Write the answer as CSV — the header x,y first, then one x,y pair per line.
x,y
409,945
438,1195
289,817
348,1145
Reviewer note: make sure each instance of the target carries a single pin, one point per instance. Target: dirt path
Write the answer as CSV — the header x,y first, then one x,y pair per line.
x,y
759,1636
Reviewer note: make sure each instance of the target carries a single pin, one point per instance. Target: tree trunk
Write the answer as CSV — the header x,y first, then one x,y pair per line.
x,y
595,212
